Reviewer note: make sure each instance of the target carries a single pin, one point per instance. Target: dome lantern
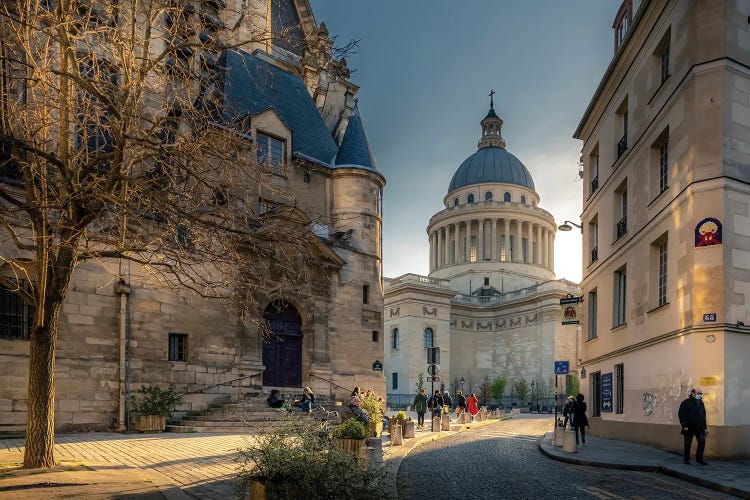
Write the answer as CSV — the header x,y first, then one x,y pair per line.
x,y
492,126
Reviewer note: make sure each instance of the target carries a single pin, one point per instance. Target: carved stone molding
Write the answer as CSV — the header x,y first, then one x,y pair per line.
x,y
395,311
429,312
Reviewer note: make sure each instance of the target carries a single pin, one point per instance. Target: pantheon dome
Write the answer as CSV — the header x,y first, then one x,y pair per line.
x,y
492,234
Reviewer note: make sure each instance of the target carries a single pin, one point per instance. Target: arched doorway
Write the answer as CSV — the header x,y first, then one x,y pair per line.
x,y
282,348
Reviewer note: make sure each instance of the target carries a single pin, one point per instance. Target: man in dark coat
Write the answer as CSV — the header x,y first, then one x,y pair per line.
x,y
692,415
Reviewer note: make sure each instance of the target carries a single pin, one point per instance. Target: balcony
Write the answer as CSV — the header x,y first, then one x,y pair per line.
x,y
594,254
622,227
594,184
622,146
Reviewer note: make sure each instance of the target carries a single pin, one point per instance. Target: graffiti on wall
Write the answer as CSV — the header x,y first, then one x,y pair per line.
x,y
650,402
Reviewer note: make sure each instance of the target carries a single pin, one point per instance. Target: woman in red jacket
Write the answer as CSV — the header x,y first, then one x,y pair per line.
x,y
472,404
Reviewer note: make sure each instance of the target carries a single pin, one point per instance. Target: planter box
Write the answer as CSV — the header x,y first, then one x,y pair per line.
x,y
150,423
351,446
260,490
375,428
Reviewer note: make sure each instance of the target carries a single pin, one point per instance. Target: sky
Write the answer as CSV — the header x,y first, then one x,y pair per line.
x,y
425,69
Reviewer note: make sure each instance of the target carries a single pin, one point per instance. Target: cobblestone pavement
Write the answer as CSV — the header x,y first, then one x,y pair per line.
x,y
202,465
503,461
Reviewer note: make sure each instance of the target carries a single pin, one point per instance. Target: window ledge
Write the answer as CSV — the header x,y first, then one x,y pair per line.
x,y
592,339
621,326
658,90
657,196
658,308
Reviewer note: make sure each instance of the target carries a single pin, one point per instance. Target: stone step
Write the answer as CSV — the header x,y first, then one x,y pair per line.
x,y
222,427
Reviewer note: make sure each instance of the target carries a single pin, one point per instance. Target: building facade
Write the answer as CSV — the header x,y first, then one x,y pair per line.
x,y
491,300
120,328
666,225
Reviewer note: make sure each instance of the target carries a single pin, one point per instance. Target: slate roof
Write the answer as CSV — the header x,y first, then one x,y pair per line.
x,y
355,150
253,85
491,164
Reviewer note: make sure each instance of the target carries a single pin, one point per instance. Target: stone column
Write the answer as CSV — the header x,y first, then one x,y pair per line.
x,y
456,257
506,239
480,240
519,236
432,249
551,251
493,249
439,248
546,248
448,245
530,245
467,250
538,244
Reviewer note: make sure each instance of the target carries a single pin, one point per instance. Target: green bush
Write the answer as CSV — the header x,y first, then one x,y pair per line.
x,y
350,429
299,462
400,415
153,400
373,406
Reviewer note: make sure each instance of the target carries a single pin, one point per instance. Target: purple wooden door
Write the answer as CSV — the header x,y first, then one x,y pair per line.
x,y
282,352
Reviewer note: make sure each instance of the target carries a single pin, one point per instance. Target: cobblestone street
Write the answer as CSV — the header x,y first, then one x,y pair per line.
x,y
503,461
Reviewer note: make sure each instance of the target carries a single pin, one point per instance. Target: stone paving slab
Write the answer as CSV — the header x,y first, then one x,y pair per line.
x,y
728,476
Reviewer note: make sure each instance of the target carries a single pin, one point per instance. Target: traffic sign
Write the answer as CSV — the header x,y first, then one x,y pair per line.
x,y
562,367
433,370
433,379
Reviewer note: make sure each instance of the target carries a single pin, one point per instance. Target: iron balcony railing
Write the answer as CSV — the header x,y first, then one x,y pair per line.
x,y
594,254
622,146
622,227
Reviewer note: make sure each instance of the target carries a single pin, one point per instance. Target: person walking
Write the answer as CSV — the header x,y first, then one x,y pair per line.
x,y
436,404
568,411
472,404
579,419
447,402
460,403
420,406
692,416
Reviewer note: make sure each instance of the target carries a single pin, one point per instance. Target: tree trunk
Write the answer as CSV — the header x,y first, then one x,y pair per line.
x,y
40,422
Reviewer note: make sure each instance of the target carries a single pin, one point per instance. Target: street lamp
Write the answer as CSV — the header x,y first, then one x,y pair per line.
x,y
568,226
462,384
532,392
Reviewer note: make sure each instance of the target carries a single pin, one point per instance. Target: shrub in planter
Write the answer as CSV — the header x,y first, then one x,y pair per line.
x,y
299,462
153,406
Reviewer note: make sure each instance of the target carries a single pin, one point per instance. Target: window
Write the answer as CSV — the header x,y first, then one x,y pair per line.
x,y
659,268
455,202
177,347
93,132
506,197
488,196
662,56
473,249
429,338
375,336
394,339
596,394
619,387
503,245
619,298
470,199
265,206
306,178
16,316
523,199
511,246
524,256
594,238
621,209
270,152
394,381
622,114
365,294
486,281
592,315
594,169
622,22
661,154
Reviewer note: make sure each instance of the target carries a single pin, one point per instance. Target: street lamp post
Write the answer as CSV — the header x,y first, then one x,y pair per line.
x,y
532,394
568,226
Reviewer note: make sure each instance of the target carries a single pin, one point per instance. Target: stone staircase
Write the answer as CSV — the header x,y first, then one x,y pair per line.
x,y
252,415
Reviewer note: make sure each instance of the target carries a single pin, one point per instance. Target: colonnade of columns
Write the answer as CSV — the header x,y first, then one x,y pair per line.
x,y
478,240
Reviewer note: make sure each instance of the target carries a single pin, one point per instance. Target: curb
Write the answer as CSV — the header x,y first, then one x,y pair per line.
x,y
724,488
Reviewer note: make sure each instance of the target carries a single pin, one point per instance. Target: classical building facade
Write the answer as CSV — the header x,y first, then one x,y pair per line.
x,y
119,329
491,300
666,225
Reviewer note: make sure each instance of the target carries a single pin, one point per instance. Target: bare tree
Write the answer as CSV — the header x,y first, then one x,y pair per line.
x,y
521,389
116,147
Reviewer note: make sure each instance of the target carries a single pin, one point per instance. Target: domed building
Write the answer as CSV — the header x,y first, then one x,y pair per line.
x,y
491,301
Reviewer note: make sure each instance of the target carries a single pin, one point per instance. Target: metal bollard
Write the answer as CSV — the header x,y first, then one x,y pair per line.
x,y
569,442
559,436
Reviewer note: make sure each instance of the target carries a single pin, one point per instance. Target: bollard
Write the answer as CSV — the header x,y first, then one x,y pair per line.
x,y
446,422
569,442
377,445
559,436
409,429
435,424
467,417
396,439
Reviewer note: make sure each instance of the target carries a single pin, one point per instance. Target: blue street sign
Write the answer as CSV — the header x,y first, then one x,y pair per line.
x,y
709,317
607,391
562,367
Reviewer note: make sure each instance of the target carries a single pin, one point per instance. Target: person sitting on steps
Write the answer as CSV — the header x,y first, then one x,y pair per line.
x,y
275,401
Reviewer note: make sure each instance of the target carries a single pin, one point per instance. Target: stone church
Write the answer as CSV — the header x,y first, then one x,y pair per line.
x,y
491,301
120,330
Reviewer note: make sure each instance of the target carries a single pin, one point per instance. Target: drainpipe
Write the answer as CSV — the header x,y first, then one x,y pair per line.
x,y
123,290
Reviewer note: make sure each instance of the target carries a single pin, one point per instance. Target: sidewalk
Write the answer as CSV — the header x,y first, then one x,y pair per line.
x,y
728,476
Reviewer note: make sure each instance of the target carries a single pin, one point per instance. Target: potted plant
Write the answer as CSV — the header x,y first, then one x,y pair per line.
x,y
349,436
153,406
373,405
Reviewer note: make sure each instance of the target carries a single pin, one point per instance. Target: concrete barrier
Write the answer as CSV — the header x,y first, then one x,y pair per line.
x,y
446,422
409,429
396,439
559,436
569,442
435,424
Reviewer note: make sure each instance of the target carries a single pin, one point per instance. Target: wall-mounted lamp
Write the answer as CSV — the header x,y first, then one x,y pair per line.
x,y
568,226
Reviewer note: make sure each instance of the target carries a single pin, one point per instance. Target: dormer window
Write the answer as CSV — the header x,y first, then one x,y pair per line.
x,y
622,22
455,202
470,199
523,200
270,152
488,196
506,197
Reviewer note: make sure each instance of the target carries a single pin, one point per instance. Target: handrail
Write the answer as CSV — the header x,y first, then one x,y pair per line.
x,y
217,385
331,382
